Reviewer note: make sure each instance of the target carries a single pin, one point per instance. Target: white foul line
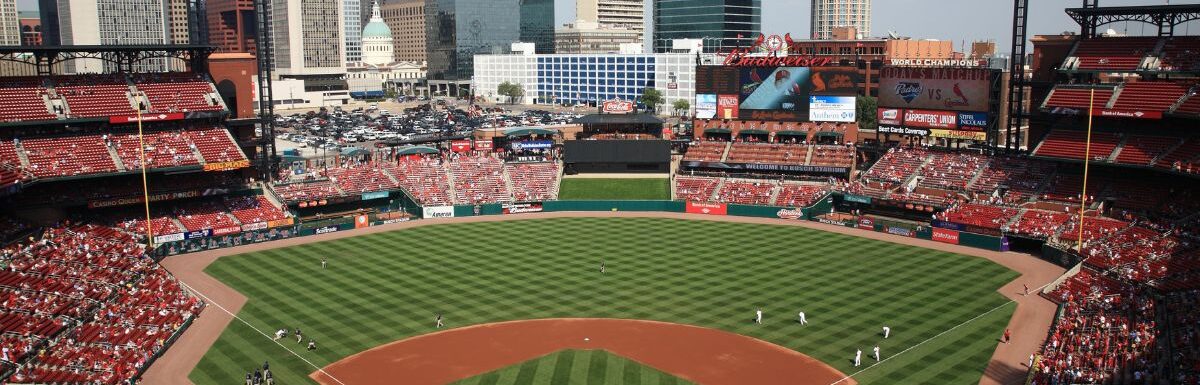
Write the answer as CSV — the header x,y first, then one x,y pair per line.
x,y
265,335
932,338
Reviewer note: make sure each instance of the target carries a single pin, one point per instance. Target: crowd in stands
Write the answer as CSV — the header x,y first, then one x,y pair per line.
x,y
759,192
50,157
27,99
85,304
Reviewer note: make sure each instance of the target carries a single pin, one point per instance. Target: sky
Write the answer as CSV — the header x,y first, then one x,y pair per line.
x,y
955,20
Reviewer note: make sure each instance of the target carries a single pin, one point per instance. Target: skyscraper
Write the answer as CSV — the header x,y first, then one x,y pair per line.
x,y
10,29
305,40
721,23
113,22
353,21
537,24
618,14
457,30
406,19
377,43
828,14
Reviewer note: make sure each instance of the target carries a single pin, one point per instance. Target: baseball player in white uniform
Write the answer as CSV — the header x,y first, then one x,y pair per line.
x,y
857,357
876,353
887,331
803,320
758,316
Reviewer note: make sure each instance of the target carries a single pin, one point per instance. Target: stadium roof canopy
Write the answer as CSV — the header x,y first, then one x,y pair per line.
x,y
124,57
527,131
620,119
1166,17
413,150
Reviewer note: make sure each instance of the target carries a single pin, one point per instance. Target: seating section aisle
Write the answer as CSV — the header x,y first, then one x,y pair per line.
x,y
1141,150
746,192
177,92
479,179
424,178
1149,96
69,156
162,149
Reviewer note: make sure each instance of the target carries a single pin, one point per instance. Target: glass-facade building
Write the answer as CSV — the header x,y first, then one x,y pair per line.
x,y
718,22
587,78
537,24
457,30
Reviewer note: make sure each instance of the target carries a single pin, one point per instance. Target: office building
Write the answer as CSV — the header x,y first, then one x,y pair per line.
x,y
10,27
406,19
720,24
376,40
829,14
457,30
592,38
587,79
31,28
537,24
352,13
618,14
231,25
309,52
113,22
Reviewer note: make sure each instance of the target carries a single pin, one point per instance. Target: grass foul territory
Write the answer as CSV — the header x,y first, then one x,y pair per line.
x,y
384,287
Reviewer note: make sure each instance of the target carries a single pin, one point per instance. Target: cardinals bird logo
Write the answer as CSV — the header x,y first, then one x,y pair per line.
x,y
959,100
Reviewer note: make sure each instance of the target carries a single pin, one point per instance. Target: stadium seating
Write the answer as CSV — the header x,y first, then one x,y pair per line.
x,y
1071,144
767,153
1181,54
23,99
705,151
1191,105
93,96
1185,158
746,192
360,178
897,165
800,195
951,171
68,156
424,178
695,189
215,145
163,149
533,182
479,179
832,156
1142,150
176,92
985,216
1149,96
1038,224
255,209
307,190
1022,176
1113,53
1077,98
203,215
92,290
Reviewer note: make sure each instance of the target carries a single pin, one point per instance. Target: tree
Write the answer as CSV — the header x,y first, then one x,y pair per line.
x,y
512,91
681,106
652,98
866,108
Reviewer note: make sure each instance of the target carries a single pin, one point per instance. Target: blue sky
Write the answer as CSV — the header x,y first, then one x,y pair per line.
x,y
956,20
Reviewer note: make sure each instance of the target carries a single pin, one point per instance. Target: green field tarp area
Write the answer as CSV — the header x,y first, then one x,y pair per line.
x,y
615,189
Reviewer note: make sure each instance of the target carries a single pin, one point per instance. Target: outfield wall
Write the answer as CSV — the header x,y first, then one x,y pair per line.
x,y
202,242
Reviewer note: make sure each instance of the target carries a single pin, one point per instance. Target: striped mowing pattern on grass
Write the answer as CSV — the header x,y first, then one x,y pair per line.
x,y
383,287
576,367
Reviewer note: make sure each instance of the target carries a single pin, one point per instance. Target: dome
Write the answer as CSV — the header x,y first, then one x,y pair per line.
x,y
376,28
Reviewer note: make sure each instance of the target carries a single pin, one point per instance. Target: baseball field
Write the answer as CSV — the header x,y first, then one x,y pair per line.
x,y
385,287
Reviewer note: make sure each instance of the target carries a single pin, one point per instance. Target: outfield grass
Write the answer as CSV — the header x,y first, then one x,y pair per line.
x,y
384,287
595,189
576,367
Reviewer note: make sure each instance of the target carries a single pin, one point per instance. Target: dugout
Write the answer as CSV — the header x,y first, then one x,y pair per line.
x,y
617,156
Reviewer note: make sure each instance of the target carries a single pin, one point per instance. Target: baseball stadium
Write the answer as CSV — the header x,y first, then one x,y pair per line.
x,y
1030,219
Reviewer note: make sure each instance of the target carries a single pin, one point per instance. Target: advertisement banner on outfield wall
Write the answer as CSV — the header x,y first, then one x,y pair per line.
x,y
706,208
361,221
956,89
227,230
198,234
168,238
958,134
254,226
437,212
866,223
789,213
945,235
521,208
281,222
901,231
857,198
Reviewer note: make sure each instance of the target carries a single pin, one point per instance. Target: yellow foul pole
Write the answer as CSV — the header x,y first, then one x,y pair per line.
x,y
1087,160
145,185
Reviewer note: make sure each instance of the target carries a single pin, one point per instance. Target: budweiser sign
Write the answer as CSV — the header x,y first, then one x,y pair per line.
x,y
743,58
789,214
